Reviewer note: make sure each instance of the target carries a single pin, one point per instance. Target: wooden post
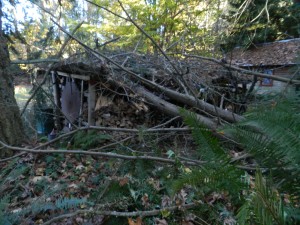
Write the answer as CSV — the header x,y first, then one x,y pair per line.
x,y
222,101
91,103
81,103
56,101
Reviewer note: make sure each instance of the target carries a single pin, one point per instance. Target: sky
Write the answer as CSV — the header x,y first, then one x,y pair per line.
x,y
23,9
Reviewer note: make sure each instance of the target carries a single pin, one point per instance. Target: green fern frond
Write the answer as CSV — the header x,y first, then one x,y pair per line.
x,y
215,175
208,146
39,207
263,206
69,203
4,202
206,180
86,140
271,133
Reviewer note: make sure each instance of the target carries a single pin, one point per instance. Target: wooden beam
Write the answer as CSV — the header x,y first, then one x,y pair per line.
x,y
35,61
56,100
74,76
81,103
91,104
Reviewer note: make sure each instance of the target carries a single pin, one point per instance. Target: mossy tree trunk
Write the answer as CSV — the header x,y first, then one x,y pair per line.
x,y
11,128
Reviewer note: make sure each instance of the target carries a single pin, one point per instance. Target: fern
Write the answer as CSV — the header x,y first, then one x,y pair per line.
x,y
69,203
215,175
272,135
263,206
208,146
4,202
90,139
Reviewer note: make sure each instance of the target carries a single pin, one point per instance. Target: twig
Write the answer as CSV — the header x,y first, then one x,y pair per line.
x,y
106,9
244,156
186,99
122,214
112,129
108,182
42,8
293,76
184,85
49,69
97,154
148,36
108,42
13,157
34,61
167,122
180,80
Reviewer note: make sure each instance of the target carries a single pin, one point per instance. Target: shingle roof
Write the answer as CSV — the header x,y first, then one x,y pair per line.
x,y
275,53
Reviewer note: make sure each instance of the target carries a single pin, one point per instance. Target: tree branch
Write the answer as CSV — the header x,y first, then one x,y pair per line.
x,y
50,68
35,61
122,214
100,154
183,98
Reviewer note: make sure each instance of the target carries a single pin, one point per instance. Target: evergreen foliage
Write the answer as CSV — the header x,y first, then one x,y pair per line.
x,y
217,175
264,206
260,21
86,140
270,133
216,156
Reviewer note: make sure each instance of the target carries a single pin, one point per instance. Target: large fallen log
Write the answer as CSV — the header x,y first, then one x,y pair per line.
x,y
170,108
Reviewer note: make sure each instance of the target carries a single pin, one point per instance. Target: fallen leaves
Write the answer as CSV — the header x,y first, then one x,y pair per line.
x,y
145,201
181,197
137,222
161,222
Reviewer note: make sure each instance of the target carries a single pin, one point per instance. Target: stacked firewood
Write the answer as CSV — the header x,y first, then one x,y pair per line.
x,y
119,112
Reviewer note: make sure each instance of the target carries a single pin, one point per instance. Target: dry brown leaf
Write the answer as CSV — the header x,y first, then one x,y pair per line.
x,y
123,181
188,219
145,200
166,201
102,101
39,178
73,185
229,221
40,171
154,183
186,222
161,222
79,167
132,222
181,198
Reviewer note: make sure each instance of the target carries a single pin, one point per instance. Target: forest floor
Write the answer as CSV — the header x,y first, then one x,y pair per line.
x,y
62,188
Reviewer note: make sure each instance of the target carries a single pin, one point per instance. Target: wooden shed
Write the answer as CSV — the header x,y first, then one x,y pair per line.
x,y
276,58
74,90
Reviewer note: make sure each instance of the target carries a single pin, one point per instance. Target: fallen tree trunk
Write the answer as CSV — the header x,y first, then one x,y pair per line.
x,y
169,108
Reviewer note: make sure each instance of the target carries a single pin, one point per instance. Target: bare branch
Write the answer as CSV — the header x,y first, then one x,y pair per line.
x,y
49,69
122,214
35,61
99,154
106,9
13,157
183,98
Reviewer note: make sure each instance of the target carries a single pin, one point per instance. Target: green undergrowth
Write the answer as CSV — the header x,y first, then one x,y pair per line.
x,y
35,189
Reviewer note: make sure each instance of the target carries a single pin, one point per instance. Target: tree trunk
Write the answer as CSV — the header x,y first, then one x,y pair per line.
x,y
11,129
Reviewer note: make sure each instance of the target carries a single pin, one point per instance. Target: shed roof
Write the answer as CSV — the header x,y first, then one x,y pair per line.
x,y
275,53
